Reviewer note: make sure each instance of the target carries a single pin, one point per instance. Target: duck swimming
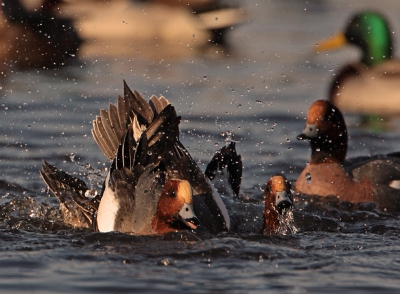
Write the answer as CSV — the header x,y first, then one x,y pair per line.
x,y
278,200
371,85
149,149
362,179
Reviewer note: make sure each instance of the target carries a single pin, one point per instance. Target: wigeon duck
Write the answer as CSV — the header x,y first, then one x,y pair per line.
x,y
108,127
357,180
148,135
138,196
278,201
372,85
37,38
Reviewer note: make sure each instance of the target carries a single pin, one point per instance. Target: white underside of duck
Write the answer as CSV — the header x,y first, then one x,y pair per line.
x,y
220,204
108,209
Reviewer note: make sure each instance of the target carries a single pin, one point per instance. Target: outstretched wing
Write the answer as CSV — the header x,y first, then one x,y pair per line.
x,y
110,126
226,168
77,209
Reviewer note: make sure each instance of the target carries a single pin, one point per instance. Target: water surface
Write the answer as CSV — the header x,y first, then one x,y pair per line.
x,y
260,94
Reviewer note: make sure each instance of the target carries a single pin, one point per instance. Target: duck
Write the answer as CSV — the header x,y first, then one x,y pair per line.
x,y
36,38
360,179
148,136
278,202
371,85
152,29
138,196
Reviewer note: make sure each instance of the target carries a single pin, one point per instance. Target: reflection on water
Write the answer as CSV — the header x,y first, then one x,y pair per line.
x,y
261,94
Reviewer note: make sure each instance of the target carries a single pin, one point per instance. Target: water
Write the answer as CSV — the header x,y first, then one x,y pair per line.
x,y
261,94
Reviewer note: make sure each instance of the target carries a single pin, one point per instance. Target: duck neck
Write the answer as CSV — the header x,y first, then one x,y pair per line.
x,y
271,217
328,150
161,225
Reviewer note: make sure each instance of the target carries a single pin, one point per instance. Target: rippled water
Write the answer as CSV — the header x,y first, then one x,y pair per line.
x,y
261,94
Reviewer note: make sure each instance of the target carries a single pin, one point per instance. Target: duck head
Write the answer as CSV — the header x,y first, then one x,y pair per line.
x,y
175,208
327,133
278,197
370,32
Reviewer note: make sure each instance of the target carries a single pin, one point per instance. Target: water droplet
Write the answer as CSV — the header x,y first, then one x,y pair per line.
x,y
308,178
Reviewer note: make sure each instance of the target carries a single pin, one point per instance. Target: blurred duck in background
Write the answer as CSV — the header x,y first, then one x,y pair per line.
x,y
370,86
152,28
48,33
35,38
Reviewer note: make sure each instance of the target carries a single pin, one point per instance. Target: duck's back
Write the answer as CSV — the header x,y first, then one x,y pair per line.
x,y
359,89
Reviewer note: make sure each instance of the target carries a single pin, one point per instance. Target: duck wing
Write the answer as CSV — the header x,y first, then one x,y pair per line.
x,y
225,170
76,208
383,172
132,109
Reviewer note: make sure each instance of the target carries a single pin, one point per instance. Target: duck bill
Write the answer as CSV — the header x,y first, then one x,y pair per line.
x,y
187,216
309,132
283,200
336,41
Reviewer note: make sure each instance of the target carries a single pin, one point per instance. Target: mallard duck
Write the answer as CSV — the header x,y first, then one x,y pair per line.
x,y
372,85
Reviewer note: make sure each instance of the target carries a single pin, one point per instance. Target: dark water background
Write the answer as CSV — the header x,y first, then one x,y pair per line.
x,y
261,94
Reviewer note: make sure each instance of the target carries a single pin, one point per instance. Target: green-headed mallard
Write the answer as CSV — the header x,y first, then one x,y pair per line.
x,y
372,85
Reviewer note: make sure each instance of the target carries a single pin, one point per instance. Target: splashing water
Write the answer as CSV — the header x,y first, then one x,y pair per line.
x,y
95,177
286,223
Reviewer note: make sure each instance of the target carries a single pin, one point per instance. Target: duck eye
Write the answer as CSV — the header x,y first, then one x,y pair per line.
x,y
172,193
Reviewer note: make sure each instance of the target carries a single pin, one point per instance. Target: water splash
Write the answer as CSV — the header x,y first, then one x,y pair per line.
x,y
286,223
95,177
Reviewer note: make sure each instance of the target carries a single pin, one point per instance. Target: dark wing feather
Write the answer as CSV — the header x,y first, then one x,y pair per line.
x,y
227,158
77,210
